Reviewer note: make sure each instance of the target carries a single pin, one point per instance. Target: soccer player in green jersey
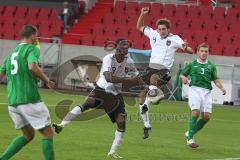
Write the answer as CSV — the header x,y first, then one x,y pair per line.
x,y
26,108
202,72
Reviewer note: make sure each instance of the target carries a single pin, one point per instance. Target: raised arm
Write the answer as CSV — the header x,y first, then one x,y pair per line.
x,y
220,86
140,22
186,48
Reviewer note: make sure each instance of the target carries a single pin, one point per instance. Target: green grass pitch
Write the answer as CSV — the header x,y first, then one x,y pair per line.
x,y
91,140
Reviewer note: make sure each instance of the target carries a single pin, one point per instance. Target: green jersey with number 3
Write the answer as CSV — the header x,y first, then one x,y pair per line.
x,y
201,74
22,84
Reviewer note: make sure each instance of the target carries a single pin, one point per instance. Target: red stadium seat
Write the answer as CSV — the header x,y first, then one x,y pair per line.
x,y
119,7
131,8
138,44
109,19
199,37
193,12
232,14
156,10
226,38
216,49
123,31
222,26
196,24
209,25
181,11
10,9
87,40
9,34
32,12
234,26
100,41
144,4
54,14
121,20
219,13
21,12
110,31
169,10
213,37
183,24
206,12
98,29
230,50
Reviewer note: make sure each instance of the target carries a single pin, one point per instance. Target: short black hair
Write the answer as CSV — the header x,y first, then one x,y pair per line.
x,y
165,22
28,30
119,40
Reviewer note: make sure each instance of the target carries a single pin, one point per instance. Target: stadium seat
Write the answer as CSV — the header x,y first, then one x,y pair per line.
x,y
144,4
193,12
123,31
110,30
156,10
209,25
109,19
226,38
230,50
131,8
216,49
21,12
44,13
87,40
199,37
98,29
183,24
121,20
181,11
222,26
9,34
232,14
10,9
206,12
100,41
234,26
119,7
213,37
169,10
32,13
219,13
138,44
196,24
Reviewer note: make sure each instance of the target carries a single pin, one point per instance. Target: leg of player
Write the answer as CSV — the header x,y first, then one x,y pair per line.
x,y
205,117
191,128
19,142
76,111
143,109
121,124
47,143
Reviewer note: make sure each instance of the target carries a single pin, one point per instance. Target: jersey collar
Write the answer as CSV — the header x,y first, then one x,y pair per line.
x,y
203,62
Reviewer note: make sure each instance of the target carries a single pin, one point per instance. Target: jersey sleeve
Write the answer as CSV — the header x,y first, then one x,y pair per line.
x,y
186,70
179,42
106,64
214,73
3,67
33,55
148,31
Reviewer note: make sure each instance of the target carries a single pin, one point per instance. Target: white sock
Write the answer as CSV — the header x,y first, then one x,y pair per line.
x,y
116,142
145,118
71,115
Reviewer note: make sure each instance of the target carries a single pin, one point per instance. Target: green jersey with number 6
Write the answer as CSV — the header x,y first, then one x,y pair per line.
x,y
201,73
22,84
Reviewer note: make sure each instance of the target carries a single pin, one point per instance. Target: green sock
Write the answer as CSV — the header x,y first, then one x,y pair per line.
x,y
47,149
192,126
200,124
14,147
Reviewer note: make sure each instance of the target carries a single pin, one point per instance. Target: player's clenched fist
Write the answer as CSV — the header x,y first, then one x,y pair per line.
x,y
145,10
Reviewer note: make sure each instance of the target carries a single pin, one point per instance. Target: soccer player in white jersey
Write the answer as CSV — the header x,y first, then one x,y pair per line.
x,y
107,93
164,46
202,73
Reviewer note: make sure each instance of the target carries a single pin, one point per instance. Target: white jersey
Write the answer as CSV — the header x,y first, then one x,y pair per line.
x,y
123,69
163,49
